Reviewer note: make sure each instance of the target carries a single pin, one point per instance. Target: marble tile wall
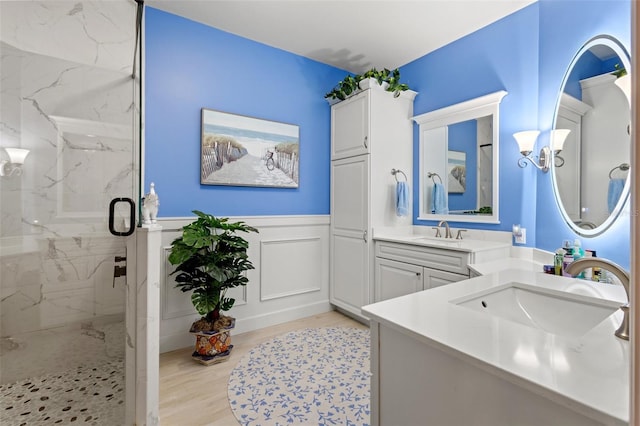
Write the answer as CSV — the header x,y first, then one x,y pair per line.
x,y
66,95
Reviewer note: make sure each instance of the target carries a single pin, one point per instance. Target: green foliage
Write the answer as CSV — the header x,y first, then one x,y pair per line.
x,y
211,259
349,84
620,71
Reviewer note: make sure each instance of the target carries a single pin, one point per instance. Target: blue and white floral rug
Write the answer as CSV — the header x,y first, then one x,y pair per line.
x,y
315,376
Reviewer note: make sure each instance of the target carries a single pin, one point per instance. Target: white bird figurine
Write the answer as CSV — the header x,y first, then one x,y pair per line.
x,y
150,204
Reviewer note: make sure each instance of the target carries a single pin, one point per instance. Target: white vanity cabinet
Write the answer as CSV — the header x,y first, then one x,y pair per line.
x,y
371,134
394,279
404,268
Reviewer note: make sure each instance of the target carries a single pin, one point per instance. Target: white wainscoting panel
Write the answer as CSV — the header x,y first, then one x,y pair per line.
x,y
174,303
290,267
290,280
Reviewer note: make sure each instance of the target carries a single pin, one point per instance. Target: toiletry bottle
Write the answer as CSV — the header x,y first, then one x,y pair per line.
x,y
566,261
578,253
557,261
568,248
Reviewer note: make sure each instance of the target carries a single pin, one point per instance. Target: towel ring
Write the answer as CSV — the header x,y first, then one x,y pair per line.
x,y
395,172
433,175
624,167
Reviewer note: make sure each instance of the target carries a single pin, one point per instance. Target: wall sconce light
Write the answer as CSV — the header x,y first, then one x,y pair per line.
x,y
526,141
558,137
13,167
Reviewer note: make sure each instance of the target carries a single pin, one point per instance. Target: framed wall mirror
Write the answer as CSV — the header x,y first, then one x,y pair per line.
x,y
458,173
591,172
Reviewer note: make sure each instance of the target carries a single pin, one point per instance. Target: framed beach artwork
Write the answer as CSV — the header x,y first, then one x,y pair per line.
x,y
456,172
245,151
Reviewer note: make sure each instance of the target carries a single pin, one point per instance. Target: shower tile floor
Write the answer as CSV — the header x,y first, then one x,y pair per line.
x,y
83,395
81,382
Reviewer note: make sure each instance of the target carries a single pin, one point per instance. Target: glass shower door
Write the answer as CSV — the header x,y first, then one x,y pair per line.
x,y
67,103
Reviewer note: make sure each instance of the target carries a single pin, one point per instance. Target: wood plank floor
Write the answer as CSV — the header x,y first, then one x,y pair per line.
x,y
192,394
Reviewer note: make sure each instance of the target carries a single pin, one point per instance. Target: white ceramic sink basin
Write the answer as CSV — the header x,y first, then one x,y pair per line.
x,y
555,312
438,241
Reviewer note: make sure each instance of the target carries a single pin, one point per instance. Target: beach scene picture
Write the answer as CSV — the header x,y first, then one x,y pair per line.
x,y
246,151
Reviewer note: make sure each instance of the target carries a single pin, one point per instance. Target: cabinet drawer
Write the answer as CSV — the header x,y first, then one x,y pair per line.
x,y
444,260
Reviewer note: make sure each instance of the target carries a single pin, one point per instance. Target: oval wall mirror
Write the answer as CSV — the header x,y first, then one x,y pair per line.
x,y
591,168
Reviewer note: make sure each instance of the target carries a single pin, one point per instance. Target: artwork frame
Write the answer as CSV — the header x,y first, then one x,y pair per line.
x,y
238,150
456,172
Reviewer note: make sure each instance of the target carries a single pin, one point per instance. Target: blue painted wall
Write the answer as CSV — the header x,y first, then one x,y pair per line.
x,y
502,56
190,66
568,25
589,65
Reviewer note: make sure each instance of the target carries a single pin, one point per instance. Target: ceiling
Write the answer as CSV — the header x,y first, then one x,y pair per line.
x,y
354,35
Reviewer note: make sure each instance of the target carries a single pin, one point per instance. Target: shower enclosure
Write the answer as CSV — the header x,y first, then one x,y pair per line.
x,y
69,102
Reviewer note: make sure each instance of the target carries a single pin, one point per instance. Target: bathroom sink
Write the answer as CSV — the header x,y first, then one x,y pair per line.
x,y
437,241
554,312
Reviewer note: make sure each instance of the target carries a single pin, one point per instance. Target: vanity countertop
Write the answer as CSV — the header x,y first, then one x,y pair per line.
x,y
506,263
465,245
589,373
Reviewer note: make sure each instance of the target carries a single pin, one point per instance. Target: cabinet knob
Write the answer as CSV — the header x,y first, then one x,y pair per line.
x,y
364,236
418,274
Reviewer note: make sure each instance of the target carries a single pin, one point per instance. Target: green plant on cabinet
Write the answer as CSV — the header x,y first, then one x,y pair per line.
x,y
350,84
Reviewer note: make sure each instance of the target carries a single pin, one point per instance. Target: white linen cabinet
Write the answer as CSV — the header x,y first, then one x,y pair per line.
x,y
371,134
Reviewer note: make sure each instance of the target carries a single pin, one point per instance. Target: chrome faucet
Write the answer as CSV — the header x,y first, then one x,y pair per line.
x,y
447,229
579,265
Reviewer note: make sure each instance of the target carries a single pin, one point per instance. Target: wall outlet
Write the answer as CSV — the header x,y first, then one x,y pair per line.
x,y
522,237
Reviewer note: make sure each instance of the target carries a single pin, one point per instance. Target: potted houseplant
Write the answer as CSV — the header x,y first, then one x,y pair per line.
x,y
350,85
211,259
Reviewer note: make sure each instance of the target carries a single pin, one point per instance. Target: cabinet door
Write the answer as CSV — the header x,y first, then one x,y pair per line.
x,y
350,242
434,278
394,279
350,127
350,195
349,288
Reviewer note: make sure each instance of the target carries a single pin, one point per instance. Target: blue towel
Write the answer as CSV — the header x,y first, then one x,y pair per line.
x,y
402,199
439,200
615,191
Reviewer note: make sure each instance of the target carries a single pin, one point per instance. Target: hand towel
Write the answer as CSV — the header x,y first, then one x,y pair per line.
x,y
439,199
615,191
402,199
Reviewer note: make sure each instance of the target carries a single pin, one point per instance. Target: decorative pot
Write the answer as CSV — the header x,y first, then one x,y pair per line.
x,y
213,346
210,344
